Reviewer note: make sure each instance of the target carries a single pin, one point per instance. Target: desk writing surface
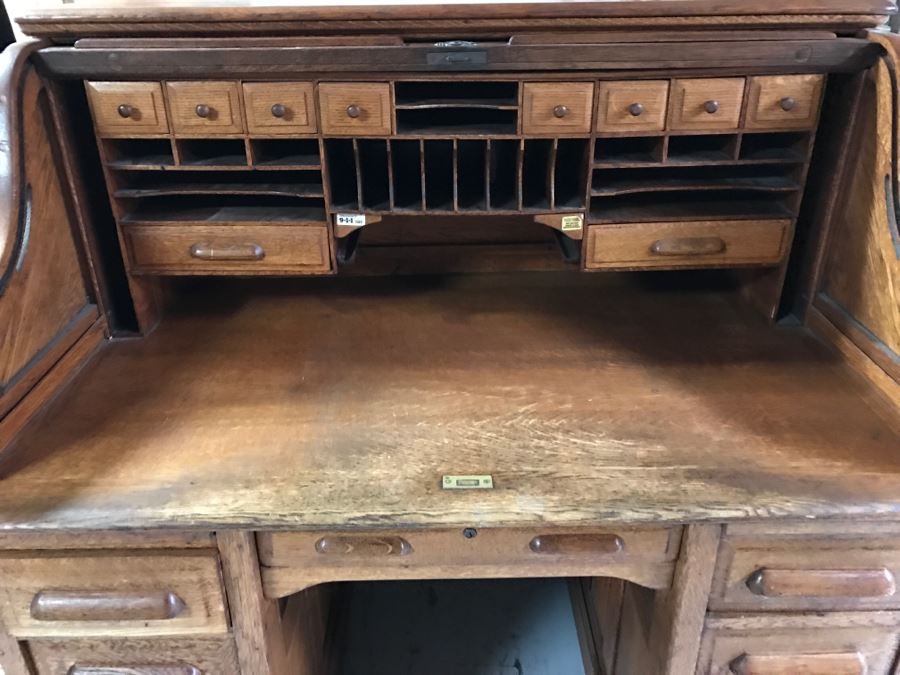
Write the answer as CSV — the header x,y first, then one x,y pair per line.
x,y
341,403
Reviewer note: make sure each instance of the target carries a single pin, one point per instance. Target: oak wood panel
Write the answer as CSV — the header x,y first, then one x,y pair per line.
x,y
293,561
223,249
686,244
128,108
355,108
107,594
632,106
784,101
135,656
826,644
277,108
125,539
748,422
713,104
557,108
12,656
205,108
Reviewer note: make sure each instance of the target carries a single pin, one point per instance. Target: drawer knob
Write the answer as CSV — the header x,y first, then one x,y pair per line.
x,y
278,110
712,107
788,103
636,109
134,670
353,111
203,111
203,251
577,544
125,110
363,546
849,663
560,111
105,606
806,583
688,246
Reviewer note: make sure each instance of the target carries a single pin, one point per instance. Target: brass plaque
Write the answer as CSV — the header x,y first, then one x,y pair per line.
x,y
571,223
483,482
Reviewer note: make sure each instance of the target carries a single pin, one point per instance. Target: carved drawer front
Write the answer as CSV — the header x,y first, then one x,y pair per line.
x,y
205,108
167,656
280,108
219,249
632,106
706,104
784,101
756,573
112,595
128,108
686,244
355,108
557,107
294,560
794,644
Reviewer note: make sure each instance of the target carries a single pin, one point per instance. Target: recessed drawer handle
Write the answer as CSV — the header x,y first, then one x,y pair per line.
x,y
363,547
234,252
786,583
851,663
575,544
688,246
105,606
134,670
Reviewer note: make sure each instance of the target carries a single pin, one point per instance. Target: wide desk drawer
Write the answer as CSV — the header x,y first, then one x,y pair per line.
x,y
292,561
798,644
757,571
225,249
111,595
686,244
155,656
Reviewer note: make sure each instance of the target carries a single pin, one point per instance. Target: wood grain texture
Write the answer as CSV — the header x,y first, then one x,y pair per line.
x,y
205,108
135,656
713,104
12,658
632,106
124,539
824,644
278,108
355,108
784,101
495,375
557,108
128,109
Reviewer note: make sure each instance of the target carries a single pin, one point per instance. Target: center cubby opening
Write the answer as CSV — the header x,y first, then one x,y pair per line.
x,y
456,107
212,152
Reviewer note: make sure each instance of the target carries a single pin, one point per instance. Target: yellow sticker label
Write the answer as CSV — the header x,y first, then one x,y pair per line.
x,y
483,482
570,223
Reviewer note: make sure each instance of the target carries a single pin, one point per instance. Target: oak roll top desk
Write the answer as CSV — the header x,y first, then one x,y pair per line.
x,y
303,293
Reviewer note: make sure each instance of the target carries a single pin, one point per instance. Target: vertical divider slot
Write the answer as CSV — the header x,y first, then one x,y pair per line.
x,y
439,175
407,175
571,172
503,175
357,164
374,179
536,167
471,179
341,162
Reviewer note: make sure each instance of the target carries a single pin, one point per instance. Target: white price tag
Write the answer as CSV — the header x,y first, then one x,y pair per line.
x,y
355,219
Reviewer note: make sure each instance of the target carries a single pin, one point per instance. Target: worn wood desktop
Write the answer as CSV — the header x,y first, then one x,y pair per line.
x,y
636,261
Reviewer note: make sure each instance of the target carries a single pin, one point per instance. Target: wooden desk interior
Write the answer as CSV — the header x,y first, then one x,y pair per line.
x,y
330,403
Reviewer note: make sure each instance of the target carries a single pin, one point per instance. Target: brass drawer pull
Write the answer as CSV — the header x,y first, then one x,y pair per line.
x,y
560,111
712,107
105,606
134,670
363,546
688,246
125,110
203,111
636,109
788,103
781,583
279,110
232,252
577,544
852,663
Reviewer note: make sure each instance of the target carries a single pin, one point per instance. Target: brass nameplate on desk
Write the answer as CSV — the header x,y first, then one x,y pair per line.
x,y
485,482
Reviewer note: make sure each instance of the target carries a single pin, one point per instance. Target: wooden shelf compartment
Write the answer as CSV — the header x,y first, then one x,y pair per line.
x,y
453,107
689,205
628,150
289,153
163,184
212,152
702,148
138,153
224,209
765,178
787,147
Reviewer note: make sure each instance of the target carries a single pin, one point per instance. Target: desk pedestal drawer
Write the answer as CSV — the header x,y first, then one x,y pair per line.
x,y
294,560
687,244
229,249
135,657
795,644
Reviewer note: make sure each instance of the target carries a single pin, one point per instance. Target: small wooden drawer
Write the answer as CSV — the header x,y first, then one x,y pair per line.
x,y
756,571
791,644
274,108
228,249
295,560
128,108
632,106
557,107
706,104
111,595
205,108
355,108
784,101
168,656
686,244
